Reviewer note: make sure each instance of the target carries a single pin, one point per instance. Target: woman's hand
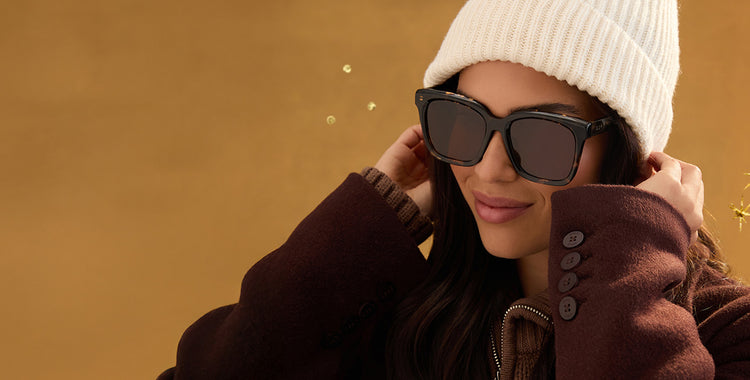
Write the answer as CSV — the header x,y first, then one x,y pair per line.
x,y
678,182
405,163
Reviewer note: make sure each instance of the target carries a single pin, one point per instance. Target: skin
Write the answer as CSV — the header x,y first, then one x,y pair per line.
x,y
502,87
526,237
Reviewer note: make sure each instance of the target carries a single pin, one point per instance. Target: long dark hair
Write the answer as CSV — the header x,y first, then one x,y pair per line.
x,y
441,330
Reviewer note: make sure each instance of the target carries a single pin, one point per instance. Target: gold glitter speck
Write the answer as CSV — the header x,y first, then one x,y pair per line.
x,y
331,120
371,106
347,69
740,212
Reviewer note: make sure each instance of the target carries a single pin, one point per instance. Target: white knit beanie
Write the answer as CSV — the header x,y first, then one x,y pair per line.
x,y
623,52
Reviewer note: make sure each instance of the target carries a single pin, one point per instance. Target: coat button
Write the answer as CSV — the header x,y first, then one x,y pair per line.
x,y
573,239
331,340
570,261
350,325
366,310
567,282
568,308
385,291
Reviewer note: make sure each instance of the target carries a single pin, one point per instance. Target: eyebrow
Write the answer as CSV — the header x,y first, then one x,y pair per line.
x,y
559,108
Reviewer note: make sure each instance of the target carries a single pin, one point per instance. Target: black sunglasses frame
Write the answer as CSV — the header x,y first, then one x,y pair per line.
x,y
581,129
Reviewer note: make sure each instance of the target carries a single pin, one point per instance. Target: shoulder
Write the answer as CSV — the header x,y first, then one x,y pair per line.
x,y
716,292
721,307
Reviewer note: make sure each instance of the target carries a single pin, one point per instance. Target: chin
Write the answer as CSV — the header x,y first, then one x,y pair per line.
x,y
510,247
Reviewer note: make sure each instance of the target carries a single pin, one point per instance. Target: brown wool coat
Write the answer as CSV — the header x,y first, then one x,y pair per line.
x,y
318,307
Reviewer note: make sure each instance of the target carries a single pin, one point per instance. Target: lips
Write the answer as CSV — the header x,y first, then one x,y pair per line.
x,y
498,210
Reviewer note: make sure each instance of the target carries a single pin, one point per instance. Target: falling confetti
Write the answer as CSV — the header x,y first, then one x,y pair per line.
x,y
331,120
347,69
742,211
371,106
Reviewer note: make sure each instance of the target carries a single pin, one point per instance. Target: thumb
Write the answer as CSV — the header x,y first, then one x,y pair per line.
x,y
645,171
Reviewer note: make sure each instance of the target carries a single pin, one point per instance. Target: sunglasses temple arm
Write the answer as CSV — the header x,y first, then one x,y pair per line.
x,y
600,126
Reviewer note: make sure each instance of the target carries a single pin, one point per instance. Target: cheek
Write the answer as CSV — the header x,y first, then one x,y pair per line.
x,y
461,173
590,167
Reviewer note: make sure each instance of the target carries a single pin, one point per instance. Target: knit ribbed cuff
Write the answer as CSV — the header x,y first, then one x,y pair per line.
x,y
418,225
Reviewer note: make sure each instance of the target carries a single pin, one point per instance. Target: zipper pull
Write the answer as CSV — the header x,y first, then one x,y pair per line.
x,y
497,375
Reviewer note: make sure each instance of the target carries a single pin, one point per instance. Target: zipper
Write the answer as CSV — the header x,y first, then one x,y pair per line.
x,y
494,350
502,332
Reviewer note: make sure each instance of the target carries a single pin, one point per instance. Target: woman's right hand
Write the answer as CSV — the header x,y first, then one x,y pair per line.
x,y
406,163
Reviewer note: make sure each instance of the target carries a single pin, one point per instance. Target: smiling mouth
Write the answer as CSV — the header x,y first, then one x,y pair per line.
x,y
498,210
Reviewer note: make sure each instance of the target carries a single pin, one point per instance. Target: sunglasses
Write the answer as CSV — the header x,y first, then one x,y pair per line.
x,y
543,147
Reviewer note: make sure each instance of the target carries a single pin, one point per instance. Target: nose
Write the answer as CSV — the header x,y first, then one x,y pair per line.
x,y
495,165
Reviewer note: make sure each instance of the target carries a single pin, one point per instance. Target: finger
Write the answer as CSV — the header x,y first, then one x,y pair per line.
x,y
411,136
420,150
418,129
699,203
663,163
693,237
694,219
691,174
656,159
645,171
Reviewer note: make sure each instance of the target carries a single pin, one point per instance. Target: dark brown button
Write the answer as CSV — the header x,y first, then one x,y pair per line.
x,y
573,239
567,282
386,291
350,325
331,340
568,308
366,310
570,261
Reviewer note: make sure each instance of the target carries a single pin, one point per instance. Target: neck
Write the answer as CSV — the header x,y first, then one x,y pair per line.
x,y
532,271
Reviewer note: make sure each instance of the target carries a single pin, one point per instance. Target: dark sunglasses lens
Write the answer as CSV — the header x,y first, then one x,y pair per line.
x,y
543,148
455,130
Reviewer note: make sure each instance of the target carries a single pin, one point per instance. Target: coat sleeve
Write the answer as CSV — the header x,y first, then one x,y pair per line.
x,y
722,308
614,251
318,306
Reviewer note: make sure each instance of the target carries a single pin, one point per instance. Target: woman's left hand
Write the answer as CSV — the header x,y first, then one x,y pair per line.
x,y
680,183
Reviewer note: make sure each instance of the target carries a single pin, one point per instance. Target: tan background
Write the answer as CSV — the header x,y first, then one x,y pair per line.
x,y
151,151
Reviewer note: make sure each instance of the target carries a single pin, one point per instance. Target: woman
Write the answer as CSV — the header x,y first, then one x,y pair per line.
x,y
537,269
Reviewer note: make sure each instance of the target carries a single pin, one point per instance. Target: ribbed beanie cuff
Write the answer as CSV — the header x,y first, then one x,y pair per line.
x,y
623,52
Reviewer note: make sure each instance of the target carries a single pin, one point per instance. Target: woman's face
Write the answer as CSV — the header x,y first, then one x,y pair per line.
x,y
513,214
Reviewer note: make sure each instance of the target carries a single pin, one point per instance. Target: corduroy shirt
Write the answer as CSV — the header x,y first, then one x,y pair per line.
x,y
319,306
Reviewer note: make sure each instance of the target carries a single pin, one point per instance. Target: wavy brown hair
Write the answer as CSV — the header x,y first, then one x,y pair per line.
x,y
441,329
